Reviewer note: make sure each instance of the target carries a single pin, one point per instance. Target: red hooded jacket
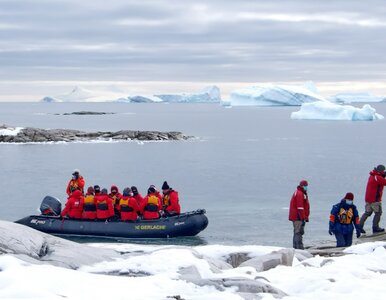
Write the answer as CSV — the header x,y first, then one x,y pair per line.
x,y
104,206
374,189
299,206
171,203
74,205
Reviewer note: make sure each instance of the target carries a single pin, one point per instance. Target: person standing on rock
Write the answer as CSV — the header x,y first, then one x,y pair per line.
x,y
76,183
299,213
373,198
344,216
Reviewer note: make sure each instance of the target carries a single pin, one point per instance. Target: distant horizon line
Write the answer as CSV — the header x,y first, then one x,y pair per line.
x,y
36,90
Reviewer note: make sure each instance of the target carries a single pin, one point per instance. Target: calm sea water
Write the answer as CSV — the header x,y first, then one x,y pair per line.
x,y
242,169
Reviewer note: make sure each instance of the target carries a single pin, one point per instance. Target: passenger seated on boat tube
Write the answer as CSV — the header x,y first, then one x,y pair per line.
x,y
74,206
115,195
128,207
151,205
104,205
89,208
170,201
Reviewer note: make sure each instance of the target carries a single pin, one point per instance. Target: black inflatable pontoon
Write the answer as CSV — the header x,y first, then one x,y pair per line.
x,y
185,224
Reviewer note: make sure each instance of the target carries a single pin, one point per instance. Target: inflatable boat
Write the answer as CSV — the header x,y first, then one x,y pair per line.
x,y
185,224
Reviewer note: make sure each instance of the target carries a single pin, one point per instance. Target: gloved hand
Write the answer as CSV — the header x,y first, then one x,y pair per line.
x,y
307,220
358,234
330,232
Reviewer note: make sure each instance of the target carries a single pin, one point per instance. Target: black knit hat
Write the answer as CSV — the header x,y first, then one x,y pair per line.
x,y
165,186
134,190
97,188
380,168
150,190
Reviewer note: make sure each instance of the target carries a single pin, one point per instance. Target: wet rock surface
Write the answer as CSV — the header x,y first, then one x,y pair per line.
x,y
37,135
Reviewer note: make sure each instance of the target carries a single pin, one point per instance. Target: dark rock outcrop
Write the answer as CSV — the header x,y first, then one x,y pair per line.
x,y
91,113
37,135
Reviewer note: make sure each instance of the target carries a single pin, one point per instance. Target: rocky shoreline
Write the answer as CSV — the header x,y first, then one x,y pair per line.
x,y
38,135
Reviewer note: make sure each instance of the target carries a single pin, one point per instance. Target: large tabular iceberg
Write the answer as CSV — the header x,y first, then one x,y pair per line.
x,y
355,97
275,95
332,111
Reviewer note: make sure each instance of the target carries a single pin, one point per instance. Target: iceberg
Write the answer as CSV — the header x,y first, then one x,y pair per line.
x,y
275,95
355,97
79,94
208,94
332,111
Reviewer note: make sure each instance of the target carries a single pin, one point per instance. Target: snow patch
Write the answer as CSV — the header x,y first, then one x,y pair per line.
x,y
10,130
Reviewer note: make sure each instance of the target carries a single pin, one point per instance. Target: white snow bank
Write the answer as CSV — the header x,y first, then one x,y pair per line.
x,y
10,130
355,97
332,111
275,95
345,277
157,270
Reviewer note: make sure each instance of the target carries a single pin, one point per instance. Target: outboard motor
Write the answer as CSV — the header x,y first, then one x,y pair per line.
x,y
51,206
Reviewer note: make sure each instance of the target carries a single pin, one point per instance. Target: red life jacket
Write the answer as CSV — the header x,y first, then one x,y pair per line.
x,y
151,207
89,209
104,206
128,208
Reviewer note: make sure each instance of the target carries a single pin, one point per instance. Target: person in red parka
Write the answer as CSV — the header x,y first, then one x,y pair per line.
x,y
373,198
170,201
151,205
299,213
104,205
137,196
76,183
127,206
115,195
74,206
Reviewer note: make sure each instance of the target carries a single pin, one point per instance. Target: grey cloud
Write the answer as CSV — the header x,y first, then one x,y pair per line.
x,y
190,40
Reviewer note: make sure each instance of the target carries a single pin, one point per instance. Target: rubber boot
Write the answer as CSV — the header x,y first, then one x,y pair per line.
x,y
376,220
362,222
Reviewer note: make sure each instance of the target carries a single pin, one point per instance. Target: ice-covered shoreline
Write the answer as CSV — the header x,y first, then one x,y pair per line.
x,y
52,268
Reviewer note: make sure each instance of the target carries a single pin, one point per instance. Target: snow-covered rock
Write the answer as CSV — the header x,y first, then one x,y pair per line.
x,y
275,95
355,97
37,247
79,94
9,131
332,111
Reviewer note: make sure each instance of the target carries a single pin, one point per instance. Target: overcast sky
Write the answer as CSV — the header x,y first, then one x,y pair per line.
x,y
46,46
